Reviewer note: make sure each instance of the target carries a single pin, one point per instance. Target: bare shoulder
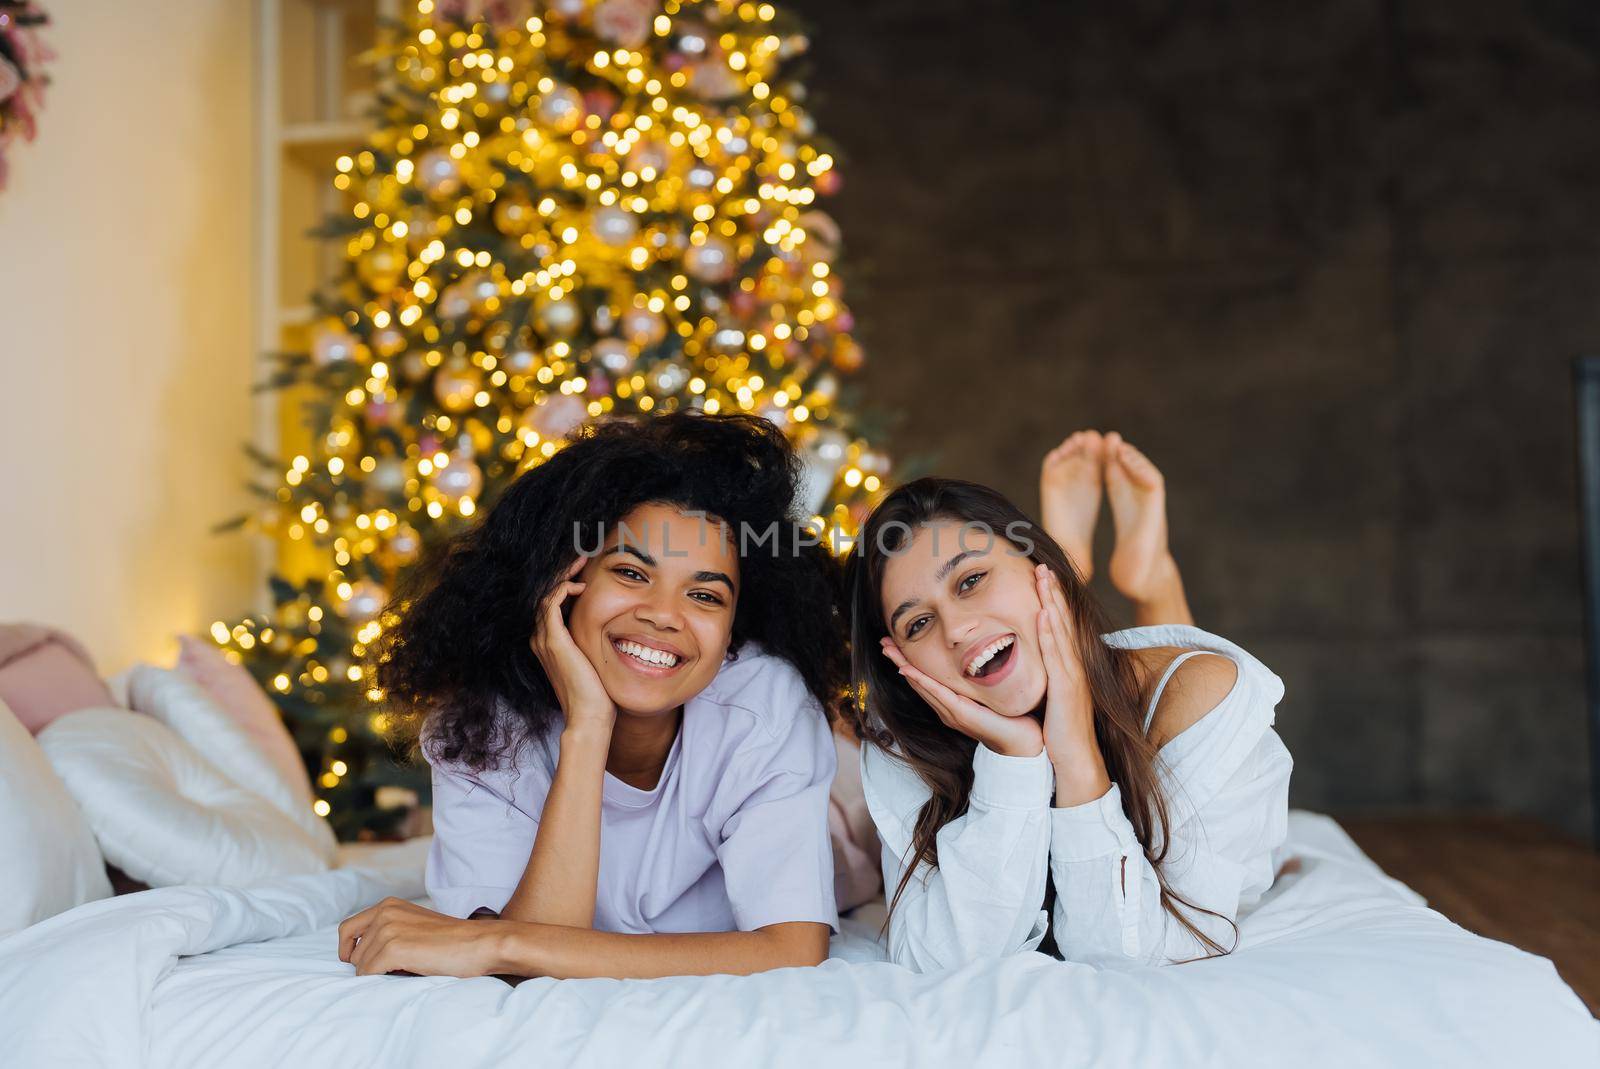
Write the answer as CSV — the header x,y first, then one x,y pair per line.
x,y
1198,686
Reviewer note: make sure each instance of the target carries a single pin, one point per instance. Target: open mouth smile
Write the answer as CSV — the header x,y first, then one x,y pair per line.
x,y
993,662
646,659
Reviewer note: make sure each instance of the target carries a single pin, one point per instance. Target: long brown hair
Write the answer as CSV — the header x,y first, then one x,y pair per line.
x,y
888,713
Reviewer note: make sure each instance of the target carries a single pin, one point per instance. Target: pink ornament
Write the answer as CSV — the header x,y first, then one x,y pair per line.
x,y
501,14
559,416
600,103
710,79
626,22
823,236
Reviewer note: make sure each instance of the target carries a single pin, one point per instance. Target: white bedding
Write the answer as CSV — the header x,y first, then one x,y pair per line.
x,y
1339,966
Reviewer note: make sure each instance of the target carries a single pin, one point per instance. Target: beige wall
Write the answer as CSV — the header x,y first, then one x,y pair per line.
x,y
125,331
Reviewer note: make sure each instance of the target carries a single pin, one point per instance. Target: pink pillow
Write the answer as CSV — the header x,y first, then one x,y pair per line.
x,y
45,673
235,689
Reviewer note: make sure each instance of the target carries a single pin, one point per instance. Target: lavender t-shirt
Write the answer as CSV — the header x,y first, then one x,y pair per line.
x,y
733,837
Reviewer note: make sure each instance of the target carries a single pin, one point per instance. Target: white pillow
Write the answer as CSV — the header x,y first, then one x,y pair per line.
x,y
48,859
187,708
162,813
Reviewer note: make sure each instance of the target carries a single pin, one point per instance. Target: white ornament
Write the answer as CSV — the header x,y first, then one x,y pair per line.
x,y
668,378
366,600
333,347
643,327
438,174
460,478
614,226
710,261
388,475
613,354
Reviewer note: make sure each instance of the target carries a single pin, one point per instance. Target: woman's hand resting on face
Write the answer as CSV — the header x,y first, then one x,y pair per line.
x,y
1013,736
1068,704
584,701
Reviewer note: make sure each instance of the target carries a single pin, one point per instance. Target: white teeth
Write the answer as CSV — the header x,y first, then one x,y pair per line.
x,y
988,651
648,655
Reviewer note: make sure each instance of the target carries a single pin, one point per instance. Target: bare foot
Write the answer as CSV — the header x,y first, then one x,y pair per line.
x,y
1070,486
1142,568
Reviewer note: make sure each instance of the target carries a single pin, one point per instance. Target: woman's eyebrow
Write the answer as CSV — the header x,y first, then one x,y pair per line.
x,y
950,565
624,547
900,610
715,577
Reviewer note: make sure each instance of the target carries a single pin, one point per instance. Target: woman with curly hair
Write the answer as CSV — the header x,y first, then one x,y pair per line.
x,y
619,677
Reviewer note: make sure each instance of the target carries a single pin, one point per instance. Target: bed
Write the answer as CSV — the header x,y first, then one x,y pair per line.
x,y
1338,965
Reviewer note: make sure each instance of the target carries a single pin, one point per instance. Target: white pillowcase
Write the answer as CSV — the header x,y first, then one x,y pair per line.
x,y
187,708
48,858
165,815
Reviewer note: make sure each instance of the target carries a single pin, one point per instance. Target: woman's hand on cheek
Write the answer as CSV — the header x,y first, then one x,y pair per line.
x,y
400,936
577,685
1069,705
1013,736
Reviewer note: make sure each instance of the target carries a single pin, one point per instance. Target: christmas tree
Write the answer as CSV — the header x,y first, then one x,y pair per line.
x,y
567,212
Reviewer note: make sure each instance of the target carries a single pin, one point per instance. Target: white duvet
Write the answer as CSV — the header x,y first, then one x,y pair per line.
x,y
1339,966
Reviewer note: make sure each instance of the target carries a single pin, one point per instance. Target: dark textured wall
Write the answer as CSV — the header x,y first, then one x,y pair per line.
x,y
1327,263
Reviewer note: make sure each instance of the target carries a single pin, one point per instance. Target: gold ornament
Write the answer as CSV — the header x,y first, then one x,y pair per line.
x,y
401,548
561,109
381,268
558,317
456,384
514,214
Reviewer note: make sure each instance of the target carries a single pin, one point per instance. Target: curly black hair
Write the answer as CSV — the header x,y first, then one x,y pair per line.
x,y
466,612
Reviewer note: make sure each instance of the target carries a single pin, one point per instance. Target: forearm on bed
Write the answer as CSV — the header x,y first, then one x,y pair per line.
x,y
530,949
558,886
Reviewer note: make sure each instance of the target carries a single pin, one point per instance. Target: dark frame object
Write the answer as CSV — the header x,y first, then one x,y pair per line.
x,y
1586,388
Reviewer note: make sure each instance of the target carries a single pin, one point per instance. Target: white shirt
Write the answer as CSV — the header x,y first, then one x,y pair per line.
x,y
734,835
1226,783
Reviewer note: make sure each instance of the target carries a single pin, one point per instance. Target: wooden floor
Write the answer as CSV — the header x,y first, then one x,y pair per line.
x,y
1512,880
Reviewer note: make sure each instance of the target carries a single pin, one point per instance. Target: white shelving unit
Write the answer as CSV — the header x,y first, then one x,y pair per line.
x,y
312,99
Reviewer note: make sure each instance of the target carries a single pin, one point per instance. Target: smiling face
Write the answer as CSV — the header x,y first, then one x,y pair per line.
x,y
657,614
962,606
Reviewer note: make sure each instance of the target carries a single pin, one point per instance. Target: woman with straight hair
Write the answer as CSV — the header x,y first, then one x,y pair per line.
x,y
1038,780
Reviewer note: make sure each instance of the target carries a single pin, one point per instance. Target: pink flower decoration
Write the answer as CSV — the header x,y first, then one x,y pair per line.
x,y
10,78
